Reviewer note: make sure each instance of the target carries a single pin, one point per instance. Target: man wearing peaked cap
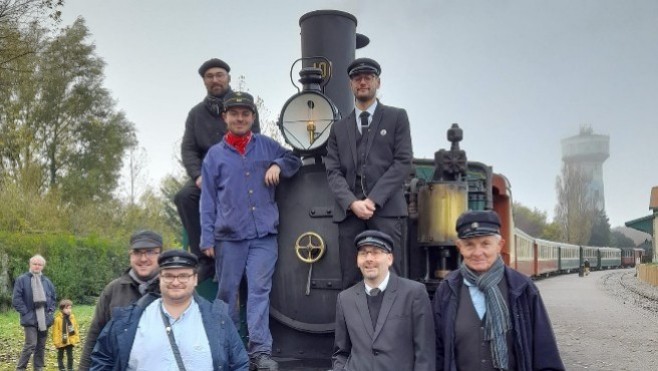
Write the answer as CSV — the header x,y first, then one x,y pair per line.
x,y
239,99
364,65
204,128
368,160
245,236
177,259
139,334
517,331
397,333
478,223
140,279
145,240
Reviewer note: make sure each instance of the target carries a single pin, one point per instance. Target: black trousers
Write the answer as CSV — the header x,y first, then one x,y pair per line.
x,y
351,226
187,203
69,358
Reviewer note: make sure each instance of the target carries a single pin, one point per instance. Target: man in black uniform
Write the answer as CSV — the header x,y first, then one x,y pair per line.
x,y
203,129
369,157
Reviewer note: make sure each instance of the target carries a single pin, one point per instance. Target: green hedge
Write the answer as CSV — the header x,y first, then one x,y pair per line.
x,y
78,267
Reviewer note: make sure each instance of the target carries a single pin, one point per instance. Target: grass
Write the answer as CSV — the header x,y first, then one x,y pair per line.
x,y
11,339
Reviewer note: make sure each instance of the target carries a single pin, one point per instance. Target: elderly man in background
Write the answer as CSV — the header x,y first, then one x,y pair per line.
x,y
489,316
140,279
35,300
179,330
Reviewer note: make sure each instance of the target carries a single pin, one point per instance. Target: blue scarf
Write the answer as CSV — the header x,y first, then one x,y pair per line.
x,y
497,320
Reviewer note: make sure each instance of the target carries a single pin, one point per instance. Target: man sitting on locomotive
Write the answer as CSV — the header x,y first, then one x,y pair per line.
x,y
487,315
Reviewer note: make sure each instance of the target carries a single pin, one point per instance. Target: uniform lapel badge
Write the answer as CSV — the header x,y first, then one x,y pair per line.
x,y
383,132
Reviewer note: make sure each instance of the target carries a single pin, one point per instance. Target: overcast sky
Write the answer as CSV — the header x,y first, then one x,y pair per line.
x,y
518,76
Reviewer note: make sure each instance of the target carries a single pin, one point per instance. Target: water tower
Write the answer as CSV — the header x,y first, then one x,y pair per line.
x,y
588,151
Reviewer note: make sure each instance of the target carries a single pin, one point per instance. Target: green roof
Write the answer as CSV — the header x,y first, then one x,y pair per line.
x,y
644,224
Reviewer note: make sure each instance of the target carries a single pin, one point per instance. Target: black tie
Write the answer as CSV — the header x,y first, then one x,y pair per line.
x,y
364,121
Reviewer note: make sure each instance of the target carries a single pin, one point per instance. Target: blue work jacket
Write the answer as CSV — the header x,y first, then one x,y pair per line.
x,y
235,203
535,347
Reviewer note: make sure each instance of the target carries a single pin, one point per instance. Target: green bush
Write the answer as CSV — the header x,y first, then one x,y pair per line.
x,y
79,267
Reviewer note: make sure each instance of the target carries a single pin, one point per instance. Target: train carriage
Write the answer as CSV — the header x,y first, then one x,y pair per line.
x,y
524,245
569,258
631,256
547,257
590,254
609,257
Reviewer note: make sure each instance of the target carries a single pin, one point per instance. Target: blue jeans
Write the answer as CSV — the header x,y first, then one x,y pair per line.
x,y
256,259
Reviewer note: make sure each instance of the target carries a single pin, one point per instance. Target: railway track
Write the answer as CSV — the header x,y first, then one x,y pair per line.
x,y
623,285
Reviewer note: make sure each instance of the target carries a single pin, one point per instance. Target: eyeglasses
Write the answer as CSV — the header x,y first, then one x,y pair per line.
x,y
374,252
182,278
145,253
219,75
365,77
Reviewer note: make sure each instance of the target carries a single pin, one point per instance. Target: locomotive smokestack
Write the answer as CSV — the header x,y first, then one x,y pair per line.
x,y
332,34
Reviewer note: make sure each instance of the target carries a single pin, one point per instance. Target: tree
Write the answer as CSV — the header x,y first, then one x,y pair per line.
x,y
22,25
61,130
532,222
600,235
169,187
576,209
618,239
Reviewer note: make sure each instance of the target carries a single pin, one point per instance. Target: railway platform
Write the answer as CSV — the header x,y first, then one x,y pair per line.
x,y
605,321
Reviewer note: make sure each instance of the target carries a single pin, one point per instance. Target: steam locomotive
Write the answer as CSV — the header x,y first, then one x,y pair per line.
x,y
307,279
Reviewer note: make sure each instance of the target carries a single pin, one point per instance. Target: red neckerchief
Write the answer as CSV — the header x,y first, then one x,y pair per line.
x,y
239,143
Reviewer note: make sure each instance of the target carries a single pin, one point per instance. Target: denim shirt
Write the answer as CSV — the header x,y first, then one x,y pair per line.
x,y
236,204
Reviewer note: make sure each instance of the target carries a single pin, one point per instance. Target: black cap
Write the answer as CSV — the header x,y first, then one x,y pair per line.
x,y
478,223
363,65
145,240
177,259
239,99
214,62
374,238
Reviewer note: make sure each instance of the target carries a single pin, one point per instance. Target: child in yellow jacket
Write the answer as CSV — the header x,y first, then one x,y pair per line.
x,y
65,334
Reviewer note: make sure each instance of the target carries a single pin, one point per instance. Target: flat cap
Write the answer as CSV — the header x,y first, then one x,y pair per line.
x,y
374,238
214,62
478,223
239,99
145,240
364,65
177,258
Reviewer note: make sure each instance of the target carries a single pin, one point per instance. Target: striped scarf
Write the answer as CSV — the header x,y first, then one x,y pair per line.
x,y
39,300
497,319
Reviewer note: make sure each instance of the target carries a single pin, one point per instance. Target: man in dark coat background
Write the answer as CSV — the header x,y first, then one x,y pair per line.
x,y
204,128
35,300
140,279
368,160
487,315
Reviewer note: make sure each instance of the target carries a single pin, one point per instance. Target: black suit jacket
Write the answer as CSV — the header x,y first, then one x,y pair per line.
x,y
403,338
388,161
